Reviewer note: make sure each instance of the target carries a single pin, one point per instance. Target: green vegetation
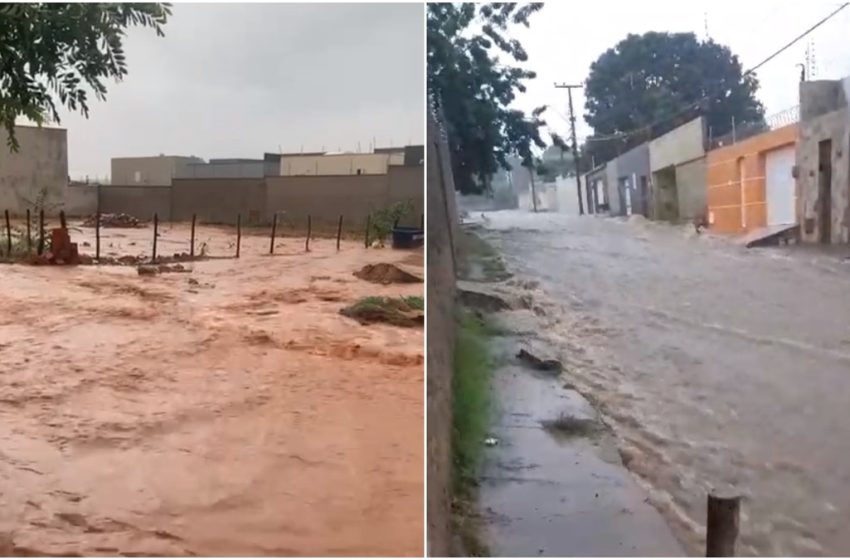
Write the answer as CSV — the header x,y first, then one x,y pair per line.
x,y
56,54
382,221
471,406
471,410
399,311
475,72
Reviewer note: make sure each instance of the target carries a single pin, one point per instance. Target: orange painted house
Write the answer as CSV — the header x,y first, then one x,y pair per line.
x,y
750,184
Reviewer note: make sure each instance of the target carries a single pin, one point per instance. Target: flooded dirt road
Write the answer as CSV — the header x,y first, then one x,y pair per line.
x,y
715,365
229,410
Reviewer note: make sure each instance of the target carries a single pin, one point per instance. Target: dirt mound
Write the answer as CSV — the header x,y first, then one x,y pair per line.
x,y
113,221
386,273
401,312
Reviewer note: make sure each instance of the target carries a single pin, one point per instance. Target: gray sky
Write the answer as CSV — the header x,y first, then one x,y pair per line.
x,y
566,37
235,80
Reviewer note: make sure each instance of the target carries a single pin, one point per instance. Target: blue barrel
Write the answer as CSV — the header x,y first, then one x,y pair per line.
x,y
408,237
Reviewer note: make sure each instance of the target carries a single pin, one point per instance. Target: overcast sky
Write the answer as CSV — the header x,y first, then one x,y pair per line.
x,y
236,80
566,37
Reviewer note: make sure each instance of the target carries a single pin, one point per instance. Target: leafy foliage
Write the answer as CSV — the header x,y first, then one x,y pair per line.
x,y
654,82
473,88
382,221
53,52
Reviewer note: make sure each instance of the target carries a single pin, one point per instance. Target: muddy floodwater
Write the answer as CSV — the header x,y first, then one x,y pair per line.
x,y
228,410
716,366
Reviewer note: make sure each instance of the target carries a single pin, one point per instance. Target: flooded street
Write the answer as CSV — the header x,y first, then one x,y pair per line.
x,y
228,410
716,366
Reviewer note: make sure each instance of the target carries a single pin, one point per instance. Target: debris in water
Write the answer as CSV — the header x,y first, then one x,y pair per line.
x,y
539,364
385,273
491,442
147,270
113,220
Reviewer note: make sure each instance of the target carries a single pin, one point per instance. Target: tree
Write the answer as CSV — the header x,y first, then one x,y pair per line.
x,y
52,52
473,89
648,84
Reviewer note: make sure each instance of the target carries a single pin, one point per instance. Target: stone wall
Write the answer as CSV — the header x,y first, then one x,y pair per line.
x,y
834,126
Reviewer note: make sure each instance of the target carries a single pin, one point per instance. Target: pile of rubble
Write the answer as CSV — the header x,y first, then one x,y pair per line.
x,y
114,221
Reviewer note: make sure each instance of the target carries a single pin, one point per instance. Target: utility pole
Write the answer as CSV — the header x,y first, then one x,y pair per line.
x,y
569,89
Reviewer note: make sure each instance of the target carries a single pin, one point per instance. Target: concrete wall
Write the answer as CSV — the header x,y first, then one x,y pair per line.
x,y
441,232
406,183
334,164
690,189
325,198
731,209
677,164
833,126
678,146
41,163
218,201
141,201
155,171
80,200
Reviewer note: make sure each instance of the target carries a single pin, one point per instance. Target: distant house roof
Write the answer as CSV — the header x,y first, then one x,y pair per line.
x,y
290,154
397,150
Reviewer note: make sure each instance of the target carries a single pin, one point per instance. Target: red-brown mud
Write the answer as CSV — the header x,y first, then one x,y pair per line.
x,y
227,411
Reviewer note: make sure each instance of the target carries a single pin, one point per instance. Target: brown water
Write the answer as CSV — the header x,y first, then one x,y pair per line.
x,y
716,366
226,411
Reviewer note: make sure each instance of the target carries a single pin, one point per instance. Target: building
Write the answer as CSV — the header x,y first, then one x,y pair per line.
x,y
677,167
396,154
230,168
595,185
823,172
150,171
628,182
38,170
750,184
335,164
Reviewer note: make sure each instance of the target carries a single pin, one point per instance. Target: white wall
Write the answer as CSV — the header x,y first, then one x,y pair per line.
x,y
335,164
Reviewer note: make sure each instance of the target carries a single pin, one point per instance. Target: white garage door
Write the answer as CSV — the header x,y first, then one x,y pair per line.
x,y
781,201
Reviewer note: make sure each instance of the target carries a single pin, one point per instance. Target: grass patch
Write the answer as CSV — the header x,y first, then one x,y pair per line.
x,y
471,409
471,406
402,311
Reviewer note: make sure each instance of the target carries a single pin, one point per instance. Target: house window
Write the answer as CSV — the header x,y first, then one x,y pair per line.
x,y
137,177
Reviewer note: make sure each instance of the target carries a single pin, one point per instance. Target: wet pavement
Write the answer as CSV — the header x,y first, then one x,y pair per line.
x,y
228,410
716,366
551,488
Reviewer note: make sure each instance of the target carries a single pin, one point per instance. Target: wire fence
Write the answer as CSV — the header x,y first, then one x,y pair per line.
x,y
742,130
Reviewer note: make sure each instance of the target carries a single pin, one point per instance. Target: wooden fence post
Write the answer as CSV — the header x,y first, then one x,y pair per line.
x,y
274,231
192,240
155,232
8,236
368,220
309,231
29,233
238,233
339,232
722,525
62,220
40,231
97,235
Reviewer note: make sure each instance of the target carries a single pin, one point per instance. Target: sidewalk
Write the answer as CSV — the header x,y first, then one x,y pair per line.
x,y
554,484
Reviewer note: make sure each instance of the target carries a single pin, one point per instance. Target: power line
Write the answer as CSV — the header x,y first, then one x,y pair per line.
x,y
692,105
